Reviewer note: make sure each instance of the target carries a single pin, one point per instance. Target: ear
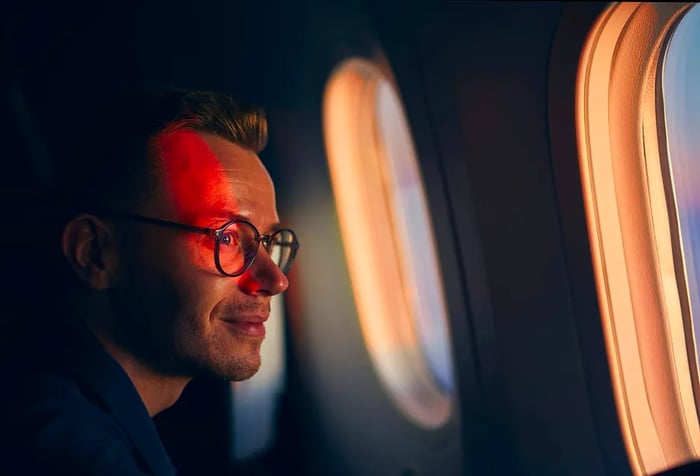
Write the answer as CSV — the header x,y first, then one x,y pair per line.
x,y
89,247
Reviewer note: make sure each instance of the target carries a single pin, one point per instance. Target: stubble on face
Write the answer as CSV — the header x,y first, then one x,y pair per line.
x,y
176,299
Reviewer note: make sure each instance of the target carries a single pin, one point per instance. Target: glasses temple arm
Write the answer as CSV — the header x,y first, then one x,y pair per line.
x,y
169,224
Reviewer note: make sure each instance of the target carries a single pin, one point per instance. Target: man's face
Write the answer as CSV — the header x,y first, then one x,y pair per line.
x,y
176,312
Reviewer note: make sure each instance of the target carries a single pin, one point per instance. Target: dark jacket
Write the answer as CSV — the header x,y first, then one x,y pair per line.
x,y
71,409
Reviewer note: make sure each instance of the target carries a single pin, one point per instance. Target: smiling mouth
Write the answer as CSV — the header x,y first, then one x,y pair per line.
x,y
253,326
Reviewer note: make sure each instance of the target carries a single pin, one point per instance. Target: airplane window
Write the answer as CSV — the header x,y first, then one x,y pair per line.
x,y
388,240
637,120
255,400
681,100
412,225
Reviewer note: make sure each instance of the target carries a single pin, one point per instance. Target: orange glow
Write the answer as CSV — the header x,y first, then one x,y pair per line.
x,y
361,196
630,235
385,298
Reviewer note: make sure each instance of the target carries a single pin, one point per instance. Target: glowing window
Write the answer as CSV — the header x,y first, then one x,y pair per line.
x,y
681,102
630,172
255,401
388,240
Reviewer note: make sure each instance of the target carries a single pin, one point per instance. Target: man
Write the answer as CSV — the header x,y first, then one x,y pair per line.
x,y
172,250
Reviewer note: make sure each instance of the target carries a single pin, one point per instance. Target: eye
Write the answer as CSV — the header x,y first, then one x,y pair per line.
x,y
229,237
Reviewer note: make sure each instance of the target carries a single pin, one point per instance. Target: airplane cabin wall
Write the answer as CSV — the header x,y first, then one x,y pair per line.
x,y
476,79
348,423
488,72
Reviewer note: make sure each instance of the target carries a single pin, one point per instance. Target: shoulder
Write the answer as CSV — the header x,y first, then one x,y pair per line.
x,y
55,425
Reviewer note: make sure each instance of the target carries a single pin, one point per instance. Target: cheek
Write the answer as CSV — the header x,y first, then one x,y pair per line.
x,y
195,280
198,253
155,272
199,302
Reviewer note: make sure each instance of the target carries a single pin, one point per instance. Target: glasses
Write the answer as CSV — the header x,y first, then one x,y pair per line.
x,y
236,243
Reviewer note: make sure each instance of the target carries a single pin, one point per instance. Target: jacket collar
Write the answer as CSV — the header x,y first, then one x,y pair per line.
x,y
111,387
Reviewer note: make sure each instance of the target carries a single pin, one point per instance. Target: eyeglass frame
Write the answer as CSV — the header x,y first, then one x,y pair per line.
x,y
217,233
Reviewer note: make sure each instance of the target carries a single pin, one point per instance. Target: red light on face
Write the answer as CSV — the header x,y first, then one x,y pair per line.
x,y
192,175
197,186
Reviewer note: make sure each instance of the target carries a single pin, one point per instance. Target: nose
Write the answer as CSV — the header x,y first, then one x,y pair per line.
x,y
263,278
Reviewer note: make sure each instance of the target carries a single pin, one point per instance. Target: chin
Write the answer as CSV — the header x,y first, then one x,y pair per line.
x,y
238,377
229,359
237,367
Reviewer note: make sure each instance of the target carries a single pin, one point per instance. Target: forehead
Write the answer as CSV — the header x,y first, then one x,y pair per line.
x,y
205,176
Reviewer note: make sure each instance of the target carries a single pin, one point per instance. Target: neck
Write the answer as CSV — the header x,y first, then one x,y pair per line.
x,y
158,392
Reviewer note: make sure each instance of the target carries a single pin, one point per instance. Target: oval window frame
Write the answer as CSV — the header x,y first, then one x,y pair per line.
x,y
365,193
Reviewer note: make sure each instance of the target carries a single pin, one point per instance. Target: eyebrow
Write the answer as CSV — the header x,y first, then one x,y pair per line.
x,y
230,215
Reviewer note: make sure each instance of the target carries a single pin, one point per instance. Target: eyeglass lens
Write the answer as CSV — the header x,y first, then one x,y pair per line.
x,y
238,245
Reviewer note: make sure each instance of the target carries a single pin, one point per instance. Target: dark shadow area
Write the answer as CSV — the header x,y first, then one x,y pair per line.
x,y
196,431
688,469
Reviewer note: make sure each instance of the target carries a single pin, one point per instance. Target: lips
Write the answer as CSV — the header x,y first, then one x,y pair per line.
x,y
251,326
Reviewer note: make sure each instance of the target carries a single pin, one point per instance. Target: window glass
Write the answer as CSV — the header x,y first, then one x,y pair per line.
x,y
681,100
388,238
423,283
